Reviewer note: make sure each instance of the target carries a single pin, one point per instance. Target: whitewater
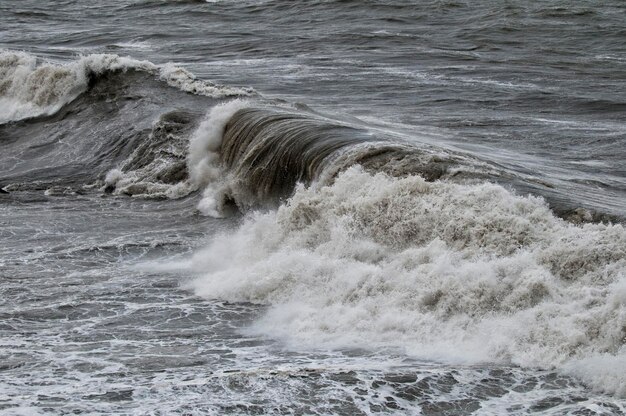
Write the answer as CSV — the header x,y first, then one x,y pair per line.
x,y
334,230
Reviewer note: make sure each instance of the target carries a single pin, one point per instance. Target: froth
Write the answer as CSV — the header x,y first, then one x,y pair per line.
x,y
27,91
184,80
443,271
203,160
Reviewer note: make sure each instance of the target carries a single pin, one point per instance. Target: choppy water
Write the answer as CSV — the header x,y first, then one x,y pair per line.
x,y
327,207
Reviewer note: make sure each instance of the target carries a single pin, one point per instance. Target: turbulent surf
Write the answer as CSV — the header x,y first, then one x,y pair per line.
x,y
333,230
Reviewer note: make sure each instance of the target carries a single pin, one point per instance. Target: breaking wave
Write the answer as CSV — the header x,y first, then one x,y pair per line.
x,y
254,155
102,121
371,242
30,89
380,244
444,271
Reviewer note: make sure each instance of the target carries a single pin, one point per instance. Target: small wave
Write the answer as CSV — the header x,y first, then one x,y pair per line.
x,y
144,45
30,89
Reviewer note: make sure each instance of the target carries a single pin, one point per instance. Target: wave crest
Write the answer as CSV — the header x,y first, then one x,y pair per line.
x,y
31,89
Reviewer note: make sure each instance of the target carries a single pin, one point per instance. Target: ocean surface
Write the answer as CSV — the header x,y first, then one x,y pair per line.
x,y
312,208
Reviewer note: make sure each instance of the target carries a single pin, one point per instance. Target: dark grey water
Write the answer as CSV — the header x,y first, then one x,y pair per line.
x,y
374,291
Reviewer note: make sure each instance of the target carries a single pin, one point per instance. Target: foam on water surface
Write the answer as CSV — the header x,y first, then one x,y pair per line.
x,y
459,273
472,264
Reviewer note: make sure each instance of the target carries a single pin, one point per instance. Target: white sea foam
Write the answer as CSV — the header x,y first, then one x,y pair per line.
x,y
184,80
29,88
452,272
203,161
134,45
